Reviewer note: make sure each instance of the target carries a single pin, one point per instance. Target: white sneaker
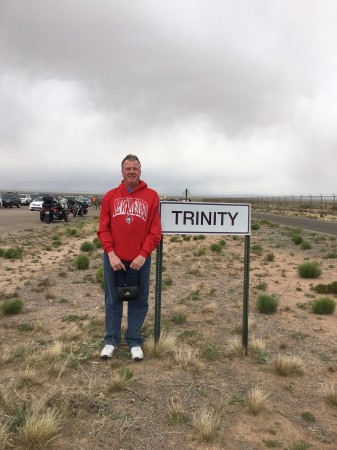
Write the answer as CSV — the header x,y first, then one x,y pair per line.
x,y
137,353
107,351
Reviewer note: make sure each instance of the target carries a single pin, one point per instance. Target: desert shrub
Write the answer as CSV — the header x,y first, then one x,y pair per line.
x,y
324,305
100,276
331,255
13,253
310,269
216,247
256,248
168,281
174,239
82,262
198,237
267,304
330,288
255,226
200,252
97,243
179,318
14,306
72,231
262,286
186,237
270,257
297,239
87,246
305,245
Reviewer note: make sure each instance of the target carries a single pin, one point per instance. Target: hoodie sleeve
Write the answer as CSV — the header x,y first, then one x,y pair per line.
x,y
154,234
104,233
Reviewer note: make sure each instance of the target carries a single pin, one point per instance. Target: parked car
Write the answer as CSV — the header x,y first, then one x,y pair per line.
x,y
36,204
25,199
10,199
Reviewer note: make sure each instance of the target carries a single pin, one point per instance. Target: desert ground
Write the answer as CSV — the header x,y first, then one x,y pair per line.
x,y
195,388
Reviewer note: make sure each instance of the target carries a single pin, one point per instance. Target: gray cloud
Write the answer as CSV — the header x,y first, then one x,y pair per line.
x,y
219,97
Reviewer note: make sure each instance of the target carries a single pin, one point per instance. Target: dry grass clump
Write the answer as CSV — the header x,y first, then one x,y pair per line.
x,y
41,427
120,381
177,414
205,423
238,327
211,308
257,345
30,426
256,400
166,344
187,357
329,391
54,353
234,346
70,334
288,365
19,352
28,379
5,438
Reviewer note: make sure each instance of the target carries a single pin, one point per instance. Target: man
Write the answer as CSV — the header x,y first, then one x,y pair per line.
x,y
129,230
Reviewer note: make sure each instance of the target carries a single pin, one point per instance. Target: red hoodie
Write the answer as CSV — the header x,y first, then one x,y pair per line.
x,y
139,207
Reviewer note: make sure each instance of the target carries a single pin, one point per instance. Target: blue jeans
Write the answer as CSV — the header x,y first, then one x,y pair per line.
x,y
137,309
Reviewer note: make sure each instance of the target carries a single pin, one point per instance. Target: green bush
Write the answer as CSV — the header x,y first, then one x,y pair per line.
x,y
310,269
330,288
297,239
179,318
87,246
324,305
267,304
72,231
97,243
255,226
100,276
14,306
305,245
257,249
174,239
270,257
216,247
82,262
13,253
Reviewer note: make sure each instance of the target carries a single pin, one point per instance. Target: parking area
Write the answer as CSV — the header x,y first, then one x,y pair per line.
x,y
14,220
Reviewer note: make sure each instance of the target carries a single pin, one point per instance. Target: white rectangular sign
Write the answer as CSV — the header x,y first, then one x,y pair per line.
x,y
207,218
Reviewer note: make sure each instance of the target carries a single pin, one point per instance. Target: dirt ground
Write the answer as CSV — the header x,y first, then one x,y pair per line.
x,y
202,306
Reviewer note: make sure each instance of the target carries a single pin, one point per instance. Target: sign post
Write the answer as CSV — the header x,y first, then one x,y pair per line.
x,y
205,218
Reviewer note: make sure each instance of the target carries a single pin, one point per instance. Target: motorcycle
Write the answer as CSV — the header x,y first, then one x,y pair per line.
x,y
79,209
54,210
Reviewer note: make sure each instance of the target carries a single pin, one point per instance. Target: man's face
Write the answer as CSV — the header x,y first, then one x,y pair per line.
x,y
131,173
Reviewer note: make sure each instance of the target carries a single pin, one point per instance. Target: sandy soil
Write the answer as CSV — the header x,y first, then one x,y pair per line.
x,y
205,290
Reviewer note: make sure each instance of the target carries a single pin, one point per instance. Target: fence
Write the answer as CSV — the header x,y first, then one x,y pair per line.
x,y
315,203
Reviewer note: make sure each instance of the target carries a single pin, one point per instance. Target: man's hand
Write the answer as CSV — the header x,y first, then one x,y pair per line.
x,y
138,262
115,262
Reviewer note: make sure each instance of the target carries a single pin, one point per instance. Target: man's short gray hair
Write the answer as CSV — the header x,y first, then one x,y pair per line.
x,y
130,157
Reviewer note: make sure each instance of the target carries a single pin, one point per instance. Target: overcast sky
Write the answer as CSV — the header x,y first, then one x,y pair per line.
x,y
221,97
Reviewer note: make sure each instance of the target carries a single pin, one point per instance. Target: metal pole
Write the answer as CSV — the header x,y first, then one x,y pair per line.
x,y
157,308
246,295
